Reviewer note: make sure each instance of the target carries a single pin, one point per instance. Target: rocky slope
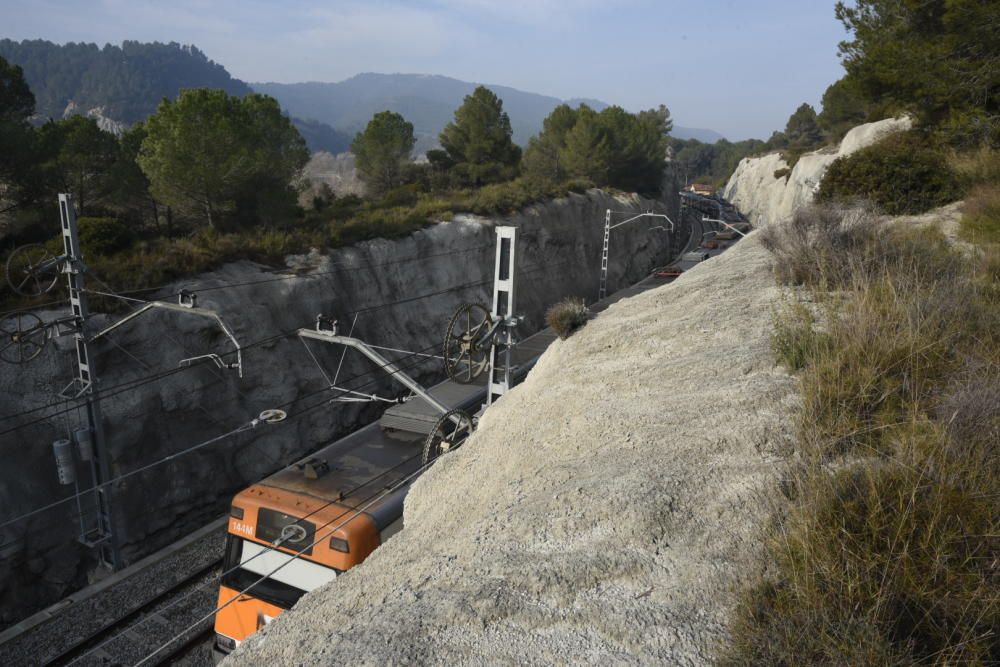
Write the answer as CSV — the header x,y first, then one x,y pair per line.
x,y
559,245
336,171
603,511
765,199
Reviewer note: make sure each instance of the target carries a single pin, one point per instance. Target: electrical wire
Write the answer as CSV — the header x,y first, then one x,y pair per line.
x,y
105,393
400,365
35,306
139,382
403,367
253,423
267,549
292,557
243,428
295,556
274,547
310,514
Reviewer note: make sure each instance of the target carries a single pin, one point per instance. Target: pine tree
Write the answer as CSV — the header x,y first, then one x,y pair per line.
x,y
382,150
211,154
587,153
478,141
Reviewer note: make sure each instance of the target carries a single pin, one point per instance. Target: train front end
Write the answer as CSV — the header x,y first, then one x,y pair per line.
x,y
281,545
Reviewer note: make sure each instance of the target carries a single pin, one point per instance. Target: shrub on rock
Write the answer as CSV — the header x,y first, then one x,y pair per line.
x,y
567,316
901,174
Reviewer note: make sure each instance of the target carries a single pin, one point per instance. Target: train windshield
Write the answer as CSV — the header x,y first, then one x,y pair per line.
x,y
247,562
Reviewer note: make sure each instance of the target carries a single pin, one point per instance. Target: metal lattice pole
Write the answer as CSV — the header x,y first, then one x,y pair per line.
x,y
103,536
607,235
604,256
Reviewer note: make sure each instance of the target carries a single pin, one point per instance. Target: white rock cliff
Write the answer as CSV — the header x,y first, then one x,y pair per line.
x,y
765,199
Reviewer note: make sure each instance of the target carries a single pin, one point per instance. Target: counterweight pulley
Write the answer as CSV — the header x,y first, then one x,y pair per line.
x,y
32,270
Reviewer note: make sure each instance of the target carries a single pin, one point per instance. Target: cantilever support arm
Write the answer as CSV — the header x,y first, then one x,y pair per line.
x,y
180,308
723,223
388,366
644,215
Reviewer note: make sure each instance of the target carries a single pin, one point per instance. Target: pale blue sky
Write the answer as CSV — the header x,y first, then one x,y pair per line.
x,y
738,67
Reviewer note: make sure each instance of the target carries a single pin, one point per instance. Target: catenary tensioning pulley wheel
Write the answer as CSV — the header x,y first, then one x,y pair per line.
x,y
32,270
450,431
466,347
22,337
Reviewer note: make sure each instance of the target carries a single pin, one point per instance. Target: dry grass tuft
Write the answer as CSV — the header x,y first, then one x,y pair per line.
x,y
816,246
889,552
981,215
567,316
978,166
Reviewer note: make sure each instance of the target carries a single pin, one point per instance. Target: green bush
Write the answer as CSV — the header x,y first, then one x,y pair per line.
x,y
344,207
103,236
404,195
818,246
881,565
901,174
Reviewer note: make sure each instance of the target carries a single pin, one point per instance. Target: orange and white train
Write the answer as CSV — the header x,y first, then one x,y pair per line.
x,y
325,514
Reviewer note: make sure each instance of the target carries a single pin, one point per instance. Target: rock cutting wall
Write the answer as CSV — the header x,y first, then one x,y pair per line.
x,y
755,191
559,249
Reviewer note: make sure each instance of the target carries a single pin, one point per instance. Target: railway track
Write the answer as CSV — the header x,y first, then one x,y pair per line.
x,y
98,625
131,638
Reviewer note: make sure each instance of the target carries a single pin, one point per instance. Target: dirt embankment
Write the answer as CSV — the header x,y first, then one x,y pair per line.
x,y
605,510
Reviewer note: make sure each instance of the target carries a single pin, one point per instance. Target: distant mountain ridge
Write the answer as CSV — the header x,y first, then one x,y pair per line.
x,y
122,85
426,100
701,134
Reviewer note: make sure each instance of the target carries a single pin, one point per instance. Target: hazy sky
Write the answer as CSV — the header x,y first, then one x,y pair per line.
x,y
736,66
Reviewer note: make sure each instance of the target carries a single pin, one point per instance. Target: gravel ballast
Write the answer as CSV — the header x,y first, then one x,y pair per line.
x,y
605,510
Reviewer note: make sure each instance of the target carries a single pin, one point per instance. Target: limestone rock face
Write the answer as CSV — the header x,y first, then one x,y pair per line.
x,y
559,248
337,171
765,199
115,127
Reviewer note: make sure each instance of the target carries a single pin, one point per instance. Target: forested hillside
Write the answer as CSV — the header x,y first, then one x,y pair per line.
x,y
128,81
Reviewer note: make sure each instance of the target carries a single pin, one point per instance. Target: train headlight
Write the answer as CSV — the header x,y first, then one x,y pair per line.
x,y
338,544
236,512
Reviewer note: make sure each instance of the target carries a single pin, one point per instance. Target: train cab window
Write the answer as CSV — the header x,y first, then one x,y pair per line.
x,y
295,534
248,562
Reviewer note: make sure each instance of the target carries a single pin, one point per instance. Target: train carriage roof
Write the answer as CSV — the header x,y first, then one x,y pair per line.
x,y
353,470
